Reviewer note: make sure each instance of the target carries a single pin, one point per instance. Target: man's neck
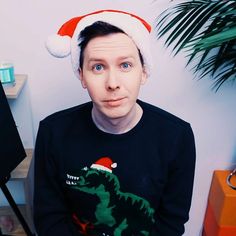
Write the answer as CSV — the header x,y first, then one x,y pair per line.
x,y
117,125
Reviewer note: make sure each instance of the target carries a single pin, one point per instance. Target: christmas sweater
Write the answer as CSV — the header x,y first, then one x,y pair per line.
x,y
89,182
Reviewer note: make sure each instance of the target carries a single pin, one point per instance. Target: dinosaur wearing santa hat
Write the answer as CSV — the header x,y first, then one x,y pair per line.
x,y
114,208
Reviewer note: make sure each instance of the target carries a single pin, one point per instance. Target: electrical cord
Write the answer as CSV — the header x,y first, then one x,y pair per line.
x,y
229,179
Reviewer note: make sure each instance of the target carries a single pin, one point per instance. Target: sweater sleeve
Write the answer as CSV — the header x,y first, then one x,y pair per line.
x,y
51,215
174,208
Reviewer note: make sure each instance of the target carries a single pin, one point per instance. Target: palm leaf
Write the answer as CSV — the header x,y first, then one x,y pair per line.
x,y
213,27
202,15
216,39
207,30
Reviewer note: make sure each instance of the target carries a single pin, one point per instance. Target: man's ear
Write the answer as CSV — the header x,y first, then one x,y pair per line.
x,y
144,76
81,77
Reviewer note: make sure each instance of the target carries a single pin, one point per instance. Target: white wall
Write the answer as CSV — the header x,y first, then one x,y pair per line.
x,y
24,26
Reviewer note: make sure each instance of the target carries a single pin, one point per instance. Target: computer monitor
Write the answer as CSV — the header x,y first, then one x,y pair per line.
x,y
12,151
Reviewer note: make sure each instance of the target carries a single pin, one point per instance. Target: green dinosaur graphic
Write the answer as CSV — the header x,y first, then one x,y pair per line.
x,y
120,213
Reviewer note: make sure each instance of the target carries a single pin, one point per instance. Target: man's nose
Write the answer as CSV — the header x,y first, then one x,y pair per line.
x,y
113,80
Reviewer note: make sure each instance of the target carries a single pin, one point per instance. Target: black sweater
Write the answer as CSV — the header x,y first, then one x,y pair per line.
x,y
88,182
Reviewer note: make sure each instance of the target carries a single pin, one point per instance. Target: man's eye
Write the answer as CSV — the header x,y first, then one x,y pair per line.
x,y
98,67
126,65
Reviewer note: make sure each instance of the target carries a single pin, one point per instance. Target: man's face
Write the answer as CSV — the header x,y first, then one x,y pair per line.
x,y
112,73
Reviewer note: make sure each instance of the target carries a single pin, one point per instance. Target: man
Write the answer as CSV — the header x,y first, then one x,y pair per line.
x,y
115,165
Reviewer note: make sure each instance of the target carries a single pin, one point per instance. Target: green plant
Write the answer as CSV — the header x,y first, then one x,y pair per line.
x,y
206,29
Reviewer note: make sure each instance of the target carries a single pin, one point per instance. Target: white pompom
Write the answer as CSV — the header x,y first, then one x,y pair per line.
x,y
58,46
114,165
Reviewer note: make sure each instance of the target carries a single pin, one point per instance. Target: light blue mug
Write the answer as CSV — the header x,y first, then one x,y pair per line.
x,y
7,73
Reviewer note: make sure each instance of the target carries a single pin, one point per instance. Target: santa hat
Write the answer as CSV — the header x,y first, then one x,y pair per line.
x,y
65,42
104,163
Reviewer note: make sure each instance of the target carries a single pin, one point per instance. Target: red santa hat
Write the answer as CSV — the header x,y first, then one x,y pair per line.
x,y
65,42
104,163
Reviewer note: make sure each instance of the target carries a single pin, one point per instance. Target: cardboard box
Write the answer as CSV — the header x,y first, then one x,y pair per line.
x,y
220,217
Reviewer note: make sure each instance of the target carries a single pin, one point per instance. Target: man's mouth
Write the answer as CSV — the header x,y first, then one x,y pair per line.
x,y
114,102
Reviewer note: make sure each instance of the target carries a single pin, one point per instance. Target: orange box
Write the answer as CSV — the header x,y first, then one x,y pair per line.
x,y
212,228
222,199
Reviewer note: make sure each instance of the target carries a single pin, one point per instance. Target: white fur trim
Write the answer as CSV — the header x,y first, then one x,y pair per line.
x,y
130,25
59,46
100,167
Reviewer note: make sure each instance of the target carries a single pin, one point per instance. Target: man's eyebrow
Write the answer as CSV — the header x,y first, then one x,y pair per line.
x,y
126,57
94,59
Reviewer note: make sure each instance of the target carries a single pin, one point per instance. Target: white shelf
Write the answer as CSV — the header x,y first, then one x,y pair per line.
x,y
21,171
14,91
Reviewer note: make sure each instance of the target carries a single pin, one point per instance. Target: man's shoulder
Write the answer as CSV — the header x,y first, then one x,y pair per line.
x,y
162,117
68,114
